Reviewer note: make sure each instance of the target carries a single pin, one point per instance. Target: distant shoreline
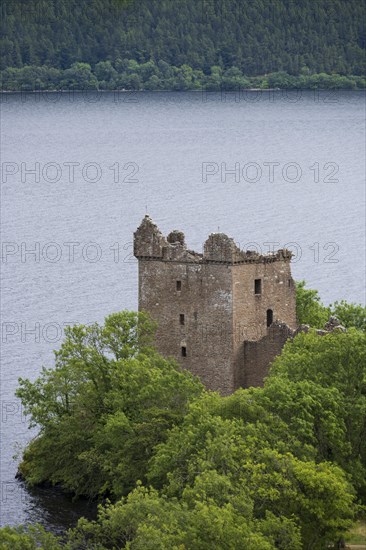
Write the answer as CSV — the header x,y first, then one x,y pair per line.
x,y
124,91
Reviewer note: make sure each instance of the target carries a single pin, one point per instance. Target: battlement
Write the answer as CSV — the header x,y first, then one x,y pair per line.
x,y
221,248
149,243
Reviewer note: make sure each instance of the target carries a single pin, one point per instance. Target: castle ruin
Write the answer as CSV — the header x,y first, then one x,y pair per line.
x,y
223,314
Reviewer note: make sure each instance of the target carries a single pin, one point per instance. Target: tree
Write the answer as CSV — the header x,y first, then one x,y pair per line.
x,y
31,538
134,82
146,520
104,70
153,83
109,400
309,309
259,469
350,315
80,77
318,387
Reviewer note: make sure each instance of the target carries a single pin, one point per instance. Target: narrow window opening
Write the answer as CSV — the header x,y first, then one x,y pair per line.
x,y
195,315
269,317
184,351
258,286
179,285
289,282
181,318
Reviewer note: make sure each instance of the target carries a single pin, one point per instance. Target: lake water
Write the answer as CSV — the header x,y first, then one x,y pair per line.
x,y
269,169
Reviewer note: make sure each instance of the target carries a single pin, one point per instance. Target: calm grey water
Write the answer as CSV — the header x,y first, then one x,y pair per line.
x,y
268,169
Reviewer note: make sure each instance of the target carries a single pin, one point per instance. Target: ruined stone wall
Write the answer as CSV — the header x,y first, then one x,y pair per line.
x,y
205,300
258,356
277,293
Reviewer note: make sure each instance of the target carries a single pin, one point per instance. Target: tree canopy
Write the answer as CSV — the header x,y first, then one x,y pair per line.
x,y
257,36
276,467
109,400
182,44
311,311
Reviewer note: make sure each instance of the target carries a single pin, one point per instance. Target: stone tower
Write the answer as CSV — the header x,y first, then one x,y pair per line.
x,y
224,314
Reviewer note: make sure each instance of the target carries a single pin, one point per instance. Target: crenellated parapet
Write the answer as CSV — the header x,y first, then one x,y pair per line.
x,y
221,248
149,243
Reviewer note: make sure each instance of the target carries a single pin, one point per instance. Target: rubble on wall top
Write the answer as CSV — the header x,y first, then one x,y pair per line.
x,y
332,325
176,237
149,243
220,246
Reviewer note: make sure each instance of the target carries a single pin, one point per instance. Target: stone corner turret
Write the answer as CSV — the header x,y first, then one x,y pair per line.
x,y
148,240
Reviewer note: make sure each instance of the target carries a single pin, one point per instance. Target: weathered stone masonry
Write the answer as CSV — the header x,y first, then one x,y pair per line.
x,y
224,314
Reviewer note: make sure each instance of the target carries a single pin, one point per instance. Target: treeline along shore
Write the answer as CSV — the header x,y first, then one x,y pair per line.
x,y
150,76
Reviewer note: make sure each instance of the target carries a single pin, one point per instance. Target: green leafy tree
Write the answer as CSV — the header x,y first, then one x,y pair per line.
x,y
133,82
30,538
105,72
146,520
318,388
154,83
316,497
309,309
350,315
109,400
80,77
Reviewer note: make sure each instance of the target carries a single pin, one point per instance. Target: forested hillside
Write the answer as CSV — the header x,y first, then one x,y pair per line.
x,y
255,37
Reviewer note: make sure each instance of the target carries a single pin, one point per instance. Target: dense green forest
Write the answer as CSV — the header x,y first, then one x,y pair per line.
x,y
182,44
275,468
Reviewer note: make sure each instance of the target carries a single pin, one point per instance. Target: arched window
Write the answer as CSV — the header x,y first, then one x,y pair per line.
x,y
269,317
